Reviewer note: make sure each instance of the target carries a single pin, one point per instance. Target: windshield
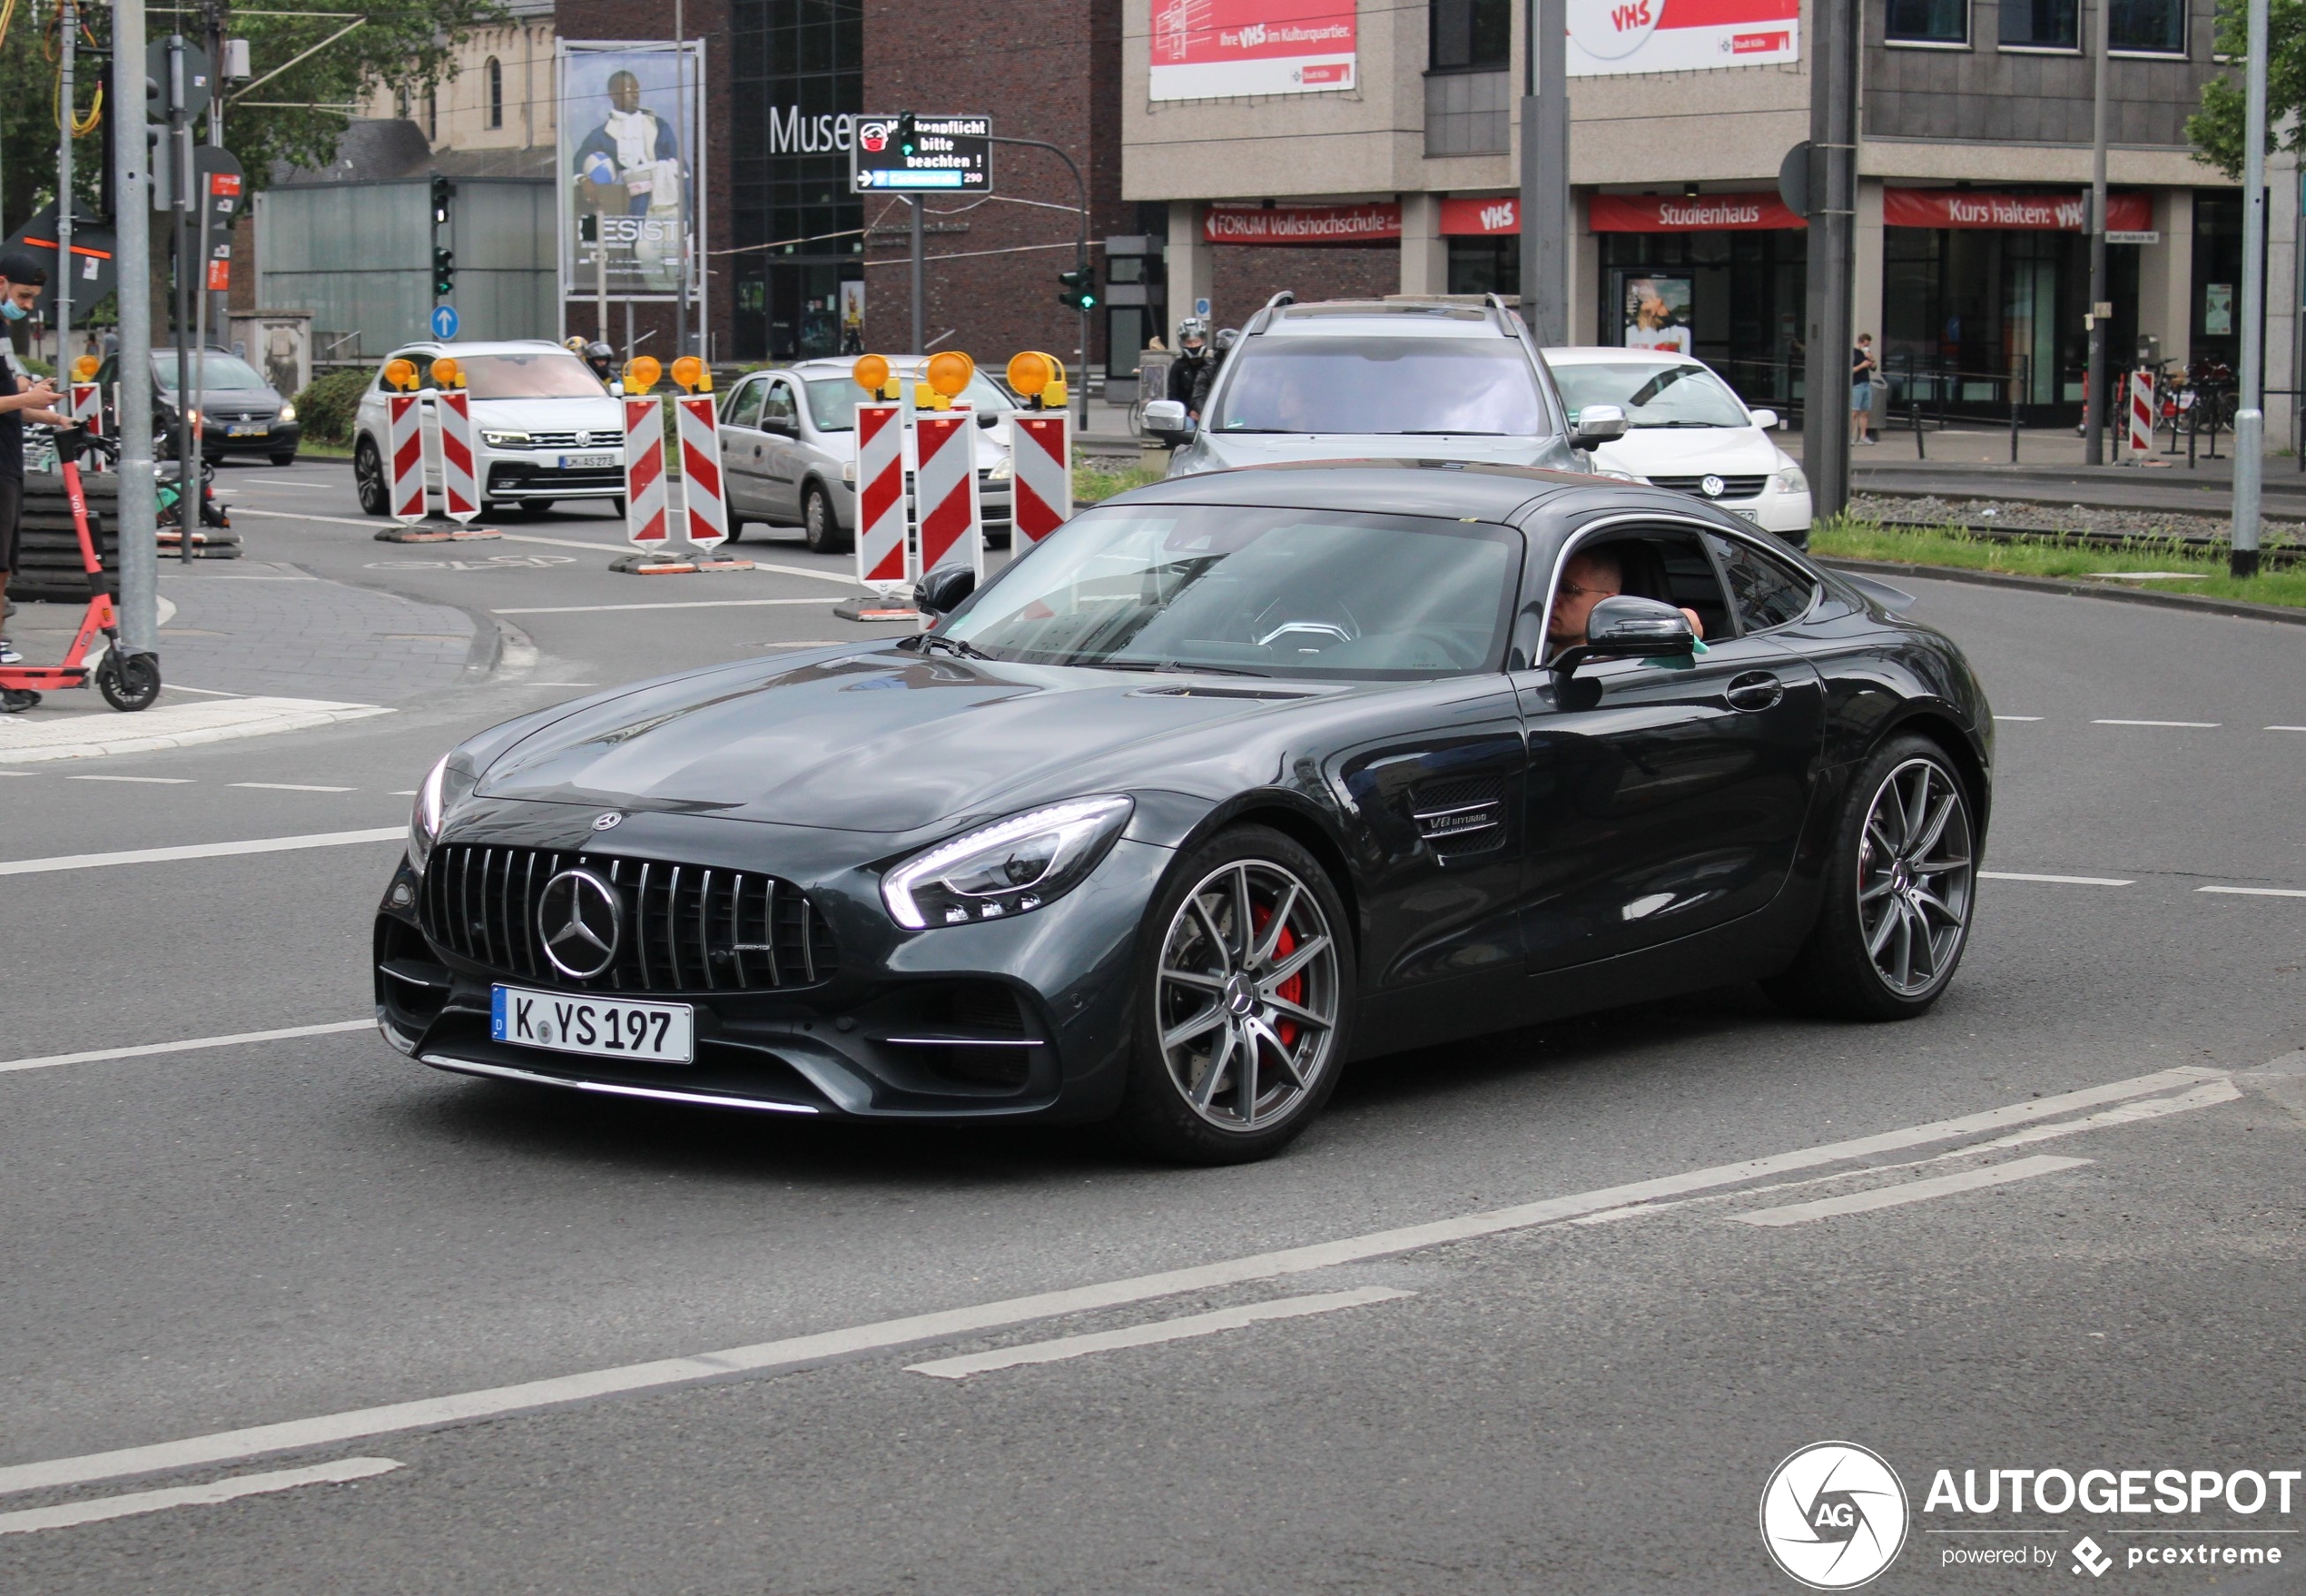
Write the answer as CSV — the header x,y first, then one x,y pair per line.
x,y
1652,395
1267,593
546,374
834,400
215,371
1393,385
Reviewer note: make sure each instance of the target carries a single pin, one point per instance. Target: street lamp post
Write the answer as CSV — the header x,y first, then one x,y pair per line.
x,y
2094,394
131,203
2249,416
1545,172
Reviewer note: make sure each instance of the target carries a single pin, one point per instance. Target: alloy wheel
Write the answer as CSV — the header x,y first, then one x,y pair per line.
x,y
368,480
1915,873
1246,1006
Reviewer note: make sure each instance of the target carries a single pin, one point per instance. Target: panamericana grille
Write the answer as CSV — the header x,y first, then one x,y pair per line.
x,y
686,928
1731,487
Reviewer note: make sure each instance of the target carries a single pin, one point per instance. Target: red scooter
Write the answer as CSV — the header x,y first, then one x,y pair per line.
x,y
128,681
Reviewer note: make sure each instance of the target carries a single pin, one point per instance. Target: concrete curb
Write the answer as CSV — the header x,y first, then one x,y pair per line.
x,y
2200,604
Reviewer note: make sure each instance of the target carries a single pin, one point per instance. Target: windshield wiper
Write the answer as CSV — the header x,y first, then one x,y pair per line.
x,y
1179,668
1448,432
1650,426
960,647
1228,430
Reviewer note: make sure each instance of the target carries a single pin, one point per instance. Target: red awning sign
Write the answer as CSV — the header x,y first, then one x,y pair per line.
x,y
1375,223
1689,212
1487,217
2056,212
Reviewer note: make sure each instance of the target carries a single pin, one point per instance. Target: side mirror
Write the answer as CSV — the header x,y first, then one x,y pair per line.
x,y
1595,424
1765,419
941,592
781,425
1626,627
1167,418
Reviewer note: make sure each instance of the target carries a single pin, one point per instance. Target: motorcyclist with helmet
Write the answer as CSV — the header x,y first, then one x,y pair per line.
x,y
1191,372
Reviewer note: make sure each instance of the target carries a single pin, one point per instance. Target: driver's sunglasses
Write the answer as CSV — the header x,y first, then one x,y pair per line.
x,y
1572,590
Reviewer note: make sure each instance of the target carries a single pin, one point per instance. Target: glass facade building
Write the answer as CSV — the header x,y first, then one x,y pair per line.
x,y
796,84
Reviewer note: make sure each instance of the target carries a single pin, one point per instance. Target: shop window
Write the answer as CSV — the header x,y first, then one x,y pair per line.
x,y
1470,35
2041,24
1928,22
2154,27
1486,266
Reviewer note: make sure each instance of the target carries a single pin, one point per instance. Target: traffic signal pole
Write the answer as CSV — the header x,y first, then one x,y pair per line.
x,y
132,217
188,396
1080,254
2249,416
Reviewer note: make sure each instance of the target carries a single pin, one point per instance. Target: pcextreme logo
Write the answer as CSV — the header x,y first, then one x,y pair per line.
x,y
1833,1515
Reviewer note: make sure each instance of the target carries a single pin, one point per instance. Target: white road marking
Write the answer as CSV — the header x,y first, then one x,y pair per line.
x,y
200,851
2255,892
1181,1329
1912,1191
410,793
2017,717
2063,880
560,684
797,1351
591,609
66,1514
154,780
2199,725
204,691
192,1045
376,525
292,787
2286,728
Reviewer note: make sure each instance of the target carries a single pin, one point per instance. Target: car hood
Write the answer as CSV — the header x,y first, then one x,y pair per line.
x,y
884,741
1651,451
552,415
1219,451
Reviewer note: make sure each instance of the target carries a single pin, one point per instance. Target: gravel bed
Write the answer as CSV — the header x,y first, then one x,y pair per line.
x,y
2040,517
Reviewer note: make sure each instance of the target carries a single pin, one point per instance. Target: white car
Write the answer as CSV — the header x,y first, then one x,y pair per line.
x,y
545,430
1686,430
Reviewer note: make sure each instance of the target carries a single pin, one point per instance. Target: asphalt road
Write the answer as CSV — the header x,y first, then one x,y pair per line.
x,y
1585,1395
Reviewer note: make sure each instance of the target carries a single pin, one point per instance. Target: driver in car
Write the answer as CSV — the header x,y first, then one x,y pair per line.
x,y
1591,576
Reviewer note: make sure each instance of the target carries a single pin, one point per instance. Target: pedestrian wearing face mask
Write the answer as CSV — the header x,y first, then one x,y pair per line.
x,y
22,277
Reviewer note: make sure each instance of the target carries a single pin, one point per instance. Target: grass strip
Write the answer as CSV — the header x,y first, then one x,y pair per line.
x,y
2053,553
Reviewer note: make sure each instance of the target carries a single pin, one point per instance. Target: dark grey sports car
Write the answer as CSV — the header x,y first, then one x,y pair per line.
x,y
1233,780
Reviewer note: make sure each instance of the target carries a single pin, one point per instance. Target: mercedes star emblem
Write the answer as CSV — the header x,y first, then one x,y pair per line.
x,y
580,921
607,821
1712,487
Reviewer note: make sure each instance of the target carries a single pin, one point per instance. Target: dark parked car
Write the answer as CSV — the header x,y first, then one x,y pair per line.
x,y
240,412
1235,779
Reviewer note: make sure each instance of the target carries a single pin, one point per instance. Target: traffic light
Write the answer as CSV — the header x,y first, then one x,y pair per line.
x,y
1081,288
443,191
907,142
444,271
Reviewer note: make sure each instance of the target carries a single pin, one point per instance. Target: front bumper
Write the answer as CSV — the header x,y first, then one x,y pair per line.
x,y
514,474
1022,1019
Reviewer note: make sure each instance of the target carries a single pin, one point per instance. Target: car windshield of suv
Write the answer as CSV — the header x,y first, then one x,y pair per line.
x,y
546,374
1317,593
1652,395
1391,385
834,400
216,373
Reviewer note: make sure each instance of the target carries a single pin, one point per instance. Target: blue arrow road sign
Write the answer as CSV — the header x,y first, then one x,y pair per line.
x,y
444,321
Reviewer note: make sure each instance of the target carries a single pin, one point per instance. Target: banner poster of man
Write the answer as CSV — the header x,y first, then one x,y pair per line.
x,y
1657,313
629,155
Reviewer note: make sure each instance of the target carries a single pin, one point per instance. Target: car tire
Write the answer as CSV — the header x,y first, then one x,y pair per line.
x,y
1900,889
287,459
820,528
368,479
535,510
1188,1097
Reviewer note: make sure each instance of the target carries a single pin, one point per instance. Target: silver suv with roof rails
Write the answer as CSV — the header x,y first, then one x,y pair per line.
x,y
1433,378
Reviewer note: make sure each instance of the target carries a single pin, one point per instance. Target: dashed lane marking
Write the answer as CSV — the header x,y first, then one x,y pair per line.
x,y
590,609
1153,1335
948,1324
2017,717
292,787
201,851
1912,1191
192,1045
65,1515
2255,892
2286,728
154,780
2197,726
2062,881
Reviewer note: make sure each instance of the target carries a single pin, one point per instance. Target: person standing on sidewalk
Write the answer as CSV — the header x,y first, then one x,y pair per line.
x,y
1861,388
22,277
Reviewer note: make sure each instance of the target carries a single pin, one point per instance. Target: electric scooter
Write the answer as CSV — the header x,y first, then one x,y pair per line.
x,y
129,681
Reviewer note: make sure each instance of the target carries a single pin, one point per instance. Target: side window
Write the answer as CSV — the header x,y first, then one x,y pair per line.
x,y
779,407
1668,564
1766,592
744,406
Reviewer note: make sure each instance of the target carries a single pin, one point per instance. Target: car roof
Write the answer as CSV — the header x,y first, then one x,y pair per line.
x,y
1449,489
1380,318
502,346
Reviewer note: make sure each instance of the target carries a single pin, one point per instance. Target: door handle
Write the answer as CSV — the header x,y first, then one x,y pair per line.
x,y
1755,690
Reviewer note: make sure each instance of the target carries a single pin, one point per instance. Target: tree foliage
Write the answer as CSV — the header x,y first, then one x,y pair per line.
x,y
2217,128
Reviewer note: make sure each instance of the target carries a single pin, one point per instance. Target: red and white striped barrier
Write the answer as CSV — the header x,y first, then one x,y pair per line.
x,y
646,524
1041,452
883,552
2142,412
701,487
404,441
945,486
88,409
459,489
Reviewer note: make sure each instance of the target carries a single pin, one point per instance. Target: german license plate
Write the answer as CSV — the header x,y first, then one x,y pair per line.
x,y
598,1028
601,462
248,429
1753,516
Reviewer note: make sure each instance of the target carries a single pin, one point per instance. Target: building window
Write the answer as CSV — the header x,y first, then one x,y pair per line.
x,y
1470,35
1466,112
2152,26
496,93
2041,24
1928,22
432,114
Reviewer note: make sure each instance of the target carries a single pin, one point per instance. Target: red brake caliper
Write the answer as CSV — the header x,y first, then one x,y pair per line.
x,y
1294,989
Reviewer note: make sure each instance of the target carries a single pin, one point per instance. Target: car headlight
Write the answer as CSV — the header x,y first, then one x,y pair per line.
x,y
506,439
443,785
1012,866
1790,481
1618,476
288,412
1004,469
